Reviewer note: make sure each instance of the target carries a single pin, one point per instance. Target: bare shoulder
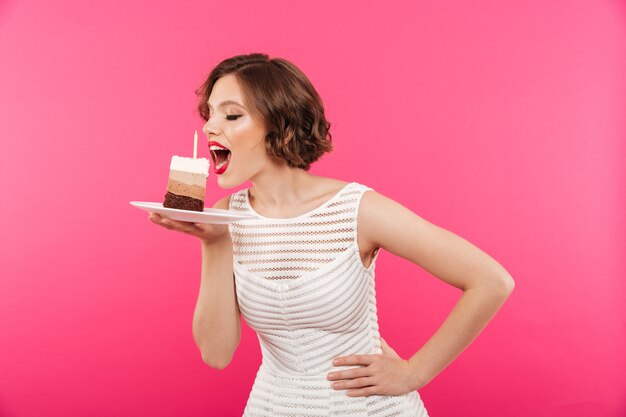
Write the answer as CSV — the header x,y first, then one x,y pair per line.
x,y
331,185
380,216
323,188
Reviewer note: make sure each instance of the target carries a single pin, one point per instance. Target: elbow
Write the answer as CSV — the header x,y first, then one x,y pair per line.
x,y
216,361
216,352
498,285
500,280
506,284
217,357
510,283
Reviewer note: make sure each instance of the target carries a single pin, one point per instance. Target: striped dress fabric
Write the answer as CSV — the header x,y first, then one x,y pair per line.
x,y
301,285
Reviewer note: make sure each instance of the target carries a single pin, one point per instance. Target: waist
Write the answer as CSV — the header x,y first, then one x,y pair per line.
x,y
308,369
285,377
291,355
287,374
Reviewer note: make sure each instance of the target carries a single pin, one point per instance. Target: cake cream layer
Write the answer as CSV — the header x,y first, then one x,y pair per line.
x,y
197,165
189,190
188,178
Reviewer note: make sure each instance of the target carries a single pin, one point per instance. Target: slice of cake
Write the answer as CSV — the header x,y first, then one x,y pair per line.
x,y
187,183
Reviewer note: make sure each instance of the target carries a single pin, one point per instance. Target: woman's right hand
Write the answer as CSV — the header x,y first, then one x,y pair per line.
x,y
208,233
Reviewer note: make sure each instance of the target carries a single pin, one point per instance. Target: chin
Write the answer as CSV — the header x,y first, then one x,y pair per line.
x,y
225,182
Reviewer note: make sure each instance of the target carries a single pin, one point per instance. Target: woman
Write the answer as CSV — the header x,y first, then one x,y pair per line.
x,y
302,271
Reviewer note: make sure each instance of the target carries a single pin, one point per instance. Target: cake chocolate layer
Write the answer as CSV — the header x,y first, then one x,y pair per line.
x,y
182,202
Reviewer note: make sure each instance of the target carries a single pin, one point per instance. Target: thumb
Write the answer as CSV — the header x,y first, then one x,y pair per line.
x,y
387,350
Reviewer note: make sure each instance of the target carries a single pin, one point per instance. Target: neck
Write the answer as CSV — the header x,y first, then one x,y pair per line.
x,y
280,186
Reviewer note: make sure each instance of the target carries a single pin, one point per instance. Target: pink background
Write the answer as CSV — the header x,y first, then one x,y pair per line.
x,y
500,121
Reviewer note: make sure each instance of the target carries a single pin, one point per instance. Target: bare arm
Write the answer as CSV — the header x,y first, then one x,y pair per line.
x,y
216,324
386,224
452,259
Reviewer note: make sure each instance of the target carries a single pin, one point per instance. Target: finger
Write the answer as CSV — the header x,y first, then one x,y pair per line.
x,y
174,223
353,383
363,392
156,219
203,227
354,360
182,226
349,374
170,224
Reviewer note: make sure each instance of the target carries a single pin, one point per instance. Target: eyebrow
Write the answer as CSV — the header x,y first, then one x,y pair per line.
x,y
226,103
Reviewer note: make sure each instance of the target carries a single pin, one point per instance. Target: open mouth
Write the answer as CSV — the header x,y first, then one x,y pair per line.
x,y
220,156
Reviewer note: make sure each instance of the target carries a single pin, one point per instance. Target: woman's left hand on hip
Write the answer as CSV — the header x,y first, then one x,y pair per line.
x,y
378,374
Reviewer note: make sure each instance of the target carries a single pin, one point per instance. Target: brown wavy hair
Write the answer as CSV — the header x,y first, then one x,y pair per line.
x,y
293,113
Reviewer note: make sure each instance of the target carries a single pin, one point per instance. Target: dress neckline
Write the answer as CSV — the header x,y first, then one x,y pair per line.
x,y
300,216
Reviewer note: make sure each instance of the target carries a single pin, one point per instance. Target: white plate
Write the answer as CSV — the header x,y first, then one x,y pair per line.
x,y
209,215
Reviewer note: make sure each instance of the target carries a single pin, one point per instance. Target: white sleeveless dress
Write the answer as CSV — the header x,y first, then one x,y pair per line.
x,y
301,285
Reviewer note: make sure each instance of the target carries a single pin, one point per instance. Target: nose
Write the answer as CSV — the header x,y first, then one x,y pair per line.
x,y
210,129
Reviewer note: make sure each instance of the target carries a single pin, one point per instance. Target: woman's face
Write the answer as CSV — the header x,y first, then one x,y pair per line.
x,y
236,134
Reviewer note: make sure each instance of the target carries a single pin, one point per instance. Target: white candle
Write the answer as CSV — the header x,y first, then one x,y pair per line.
x,y
195,145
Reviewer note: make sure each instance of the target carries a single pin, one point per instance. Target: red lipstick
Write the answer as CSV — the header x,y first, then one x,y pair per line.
x,y
220,155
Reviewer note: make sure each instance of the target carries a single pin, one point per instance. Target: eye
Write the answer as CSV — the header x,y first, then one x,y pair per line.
x,y
233,116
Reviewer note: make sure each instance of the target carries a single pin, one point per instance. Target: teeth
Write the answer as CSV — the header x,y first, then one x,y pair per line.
x,y
217,148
